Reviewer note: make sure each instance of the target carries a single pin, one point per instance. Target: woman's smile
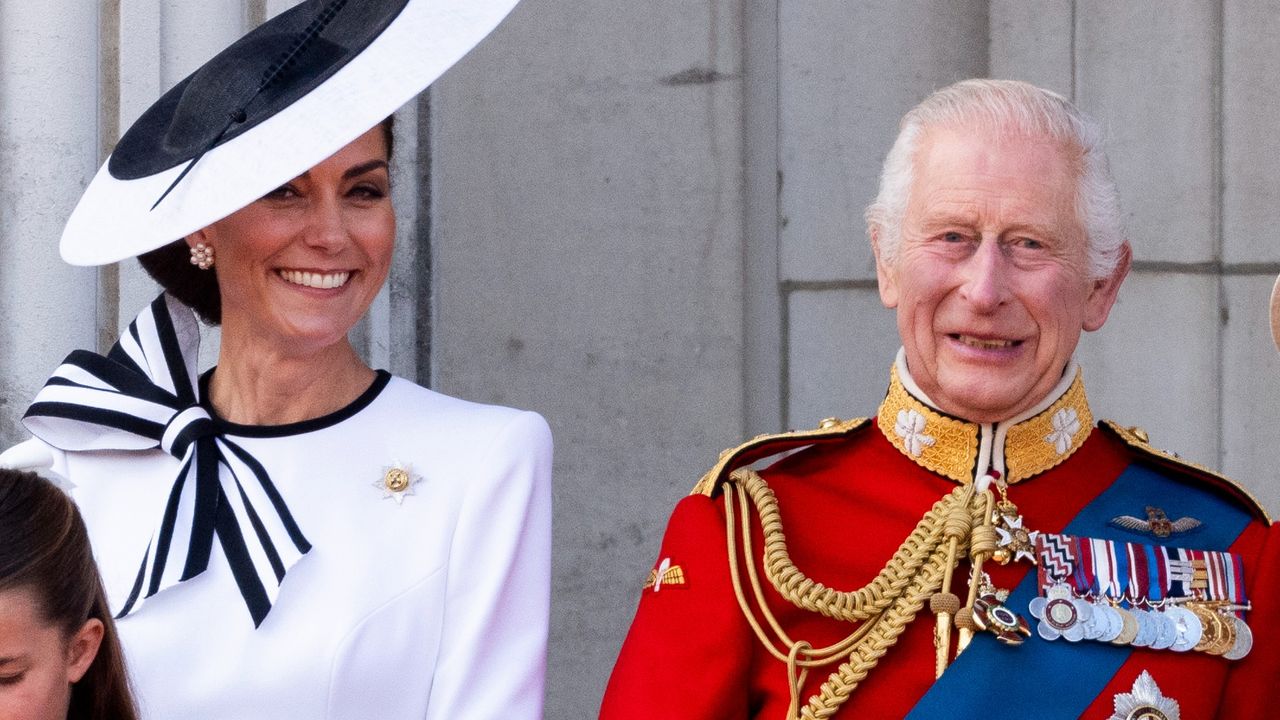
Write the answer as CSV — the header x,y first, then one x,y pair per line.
x,y
315,279
298,268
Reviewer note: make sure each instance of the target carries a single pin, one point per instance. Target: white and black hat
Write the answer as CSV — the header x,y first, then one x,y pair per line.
x,y
278,101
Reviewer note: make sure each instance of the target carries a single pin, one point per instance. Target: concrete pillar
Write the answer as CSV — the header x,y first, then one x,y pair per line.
x,y
141,83
847,73
763,296
1034,42
275,7
1250,208
587,261
161,42
49,151
388,335
1149,71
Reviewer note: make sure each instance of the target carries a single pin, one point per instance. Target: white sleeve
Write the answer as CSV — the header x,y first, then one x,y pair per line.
x,y
32,454
492,658
35,455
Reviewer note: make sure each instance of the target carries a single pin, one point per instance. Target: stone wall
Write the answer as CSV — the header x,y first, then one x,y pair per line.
x,y
644,221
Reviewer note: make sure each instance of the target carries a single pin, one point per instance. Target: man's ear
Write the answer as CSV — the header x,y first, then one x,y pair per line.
x,y
886,273
83,648
1103,291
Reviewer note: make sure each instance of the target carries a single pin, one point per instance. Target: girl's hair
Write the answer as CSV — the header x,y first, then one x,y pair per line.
x,y
44,548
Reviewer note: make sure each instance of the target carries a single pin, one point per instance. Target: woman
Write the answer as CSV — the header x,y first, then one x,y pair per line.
x,y
295,534
59,655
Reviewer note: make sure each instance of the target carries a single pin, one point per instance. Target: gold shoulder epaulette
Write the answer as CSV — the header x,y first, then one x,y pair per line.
x,y
763,446
1136,438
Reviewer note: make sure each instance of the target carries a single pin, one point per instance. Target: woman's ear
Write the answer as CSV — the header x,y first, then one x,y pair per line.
x,y
83,648
197,237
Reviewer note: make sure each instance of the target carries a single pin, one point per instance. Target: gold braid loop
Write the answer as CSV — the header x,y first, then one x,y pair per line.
x,y
885,606
984,541
846,678
814,596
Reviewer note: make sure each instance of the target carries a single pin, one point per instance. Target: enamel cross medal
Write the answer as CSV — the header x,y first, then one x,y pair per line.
x,y
1013,543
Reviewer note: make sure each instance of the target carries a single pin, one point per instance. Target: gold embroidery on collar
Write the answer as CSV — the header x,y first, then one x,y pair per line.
x,y
1044,441
949,446
944,445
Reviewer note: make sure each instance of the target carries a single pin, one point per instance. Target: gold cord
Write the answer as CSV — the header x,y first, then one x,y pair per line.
x,y
884,607
982,544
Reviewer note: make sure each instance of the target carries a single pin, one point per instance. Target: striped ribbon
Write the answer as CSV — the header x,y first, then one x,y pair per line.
x,y
144,395
1059,680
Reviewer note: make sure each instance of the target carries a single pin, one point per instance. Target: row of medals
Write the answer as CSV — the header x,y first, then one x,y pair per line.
x,y
1188,625
1180,624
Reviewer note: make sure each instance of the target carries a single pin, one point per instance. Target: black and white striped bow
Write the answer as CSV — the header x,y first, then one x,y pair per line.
x,y
144,394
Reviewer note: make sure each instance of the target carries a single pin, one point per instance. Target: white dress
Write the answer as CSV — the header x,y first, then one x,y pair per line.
x,y
430,605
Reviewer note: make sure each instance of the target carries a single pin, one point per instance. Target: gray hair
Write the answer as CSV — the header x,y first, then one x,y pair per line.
x,y
1019,107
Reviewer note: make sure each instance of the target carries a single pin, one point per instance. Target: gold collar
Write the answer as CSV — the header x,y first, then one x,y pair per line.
x,y
1019,448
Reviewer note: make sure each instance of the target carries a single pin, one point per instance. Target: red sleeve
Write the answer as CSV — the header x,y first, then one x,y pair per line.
x,y
1253,679
688,652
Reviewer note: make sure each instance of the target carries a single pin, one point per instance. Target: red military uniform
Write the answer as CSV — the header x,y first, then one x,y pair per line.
x,y
846,503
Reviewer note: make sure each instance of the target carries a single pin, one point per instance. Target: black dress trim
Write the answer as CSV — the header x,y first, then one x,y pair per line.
x,y
226,427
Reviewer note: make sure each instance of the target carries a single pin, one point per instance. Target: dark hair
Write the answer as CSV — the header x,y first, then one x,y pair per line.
x,y
170,265
44,547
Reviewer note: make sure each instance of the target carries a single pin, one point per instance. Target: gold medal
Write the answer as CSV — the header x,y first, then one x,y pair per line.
x,y
1227,640
1218,639
1130,630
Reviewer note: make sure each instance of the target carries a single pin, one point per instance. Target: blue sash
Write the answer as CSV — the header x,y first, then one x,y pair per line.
x,y
1061,679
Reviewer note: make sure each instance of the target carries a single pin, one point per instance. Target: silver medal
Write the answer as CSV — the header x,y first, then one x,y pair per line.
x,y
1115,624
1166,632
1096,625
1187,626
1146,628
1244,640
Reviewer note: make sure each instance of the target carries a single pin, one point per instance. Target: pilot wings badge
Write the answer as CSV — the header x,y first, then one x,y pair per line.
x,y
1157,523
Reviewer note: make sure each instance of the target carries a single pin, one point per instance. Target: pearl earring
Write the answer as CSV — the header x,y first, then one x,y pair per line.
x,y
202,256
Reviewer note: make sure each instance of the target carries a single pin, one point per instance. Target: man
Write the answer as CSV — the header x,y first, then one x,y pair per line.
x,y
979,548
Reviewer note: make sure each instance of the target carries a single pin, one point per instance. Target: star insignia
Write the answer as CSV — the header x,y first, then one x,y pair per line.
x,y
664,574
397,482
1157,523
1145,702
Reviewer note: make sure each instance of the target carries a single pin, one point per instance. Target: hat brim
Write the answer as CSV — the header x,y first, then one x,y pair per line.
x,y
114,219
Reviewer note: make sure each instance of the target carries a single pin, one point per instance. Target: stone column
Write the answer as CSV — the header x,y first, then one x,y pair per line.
x,y
161,42
587,260
847,72
49,150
